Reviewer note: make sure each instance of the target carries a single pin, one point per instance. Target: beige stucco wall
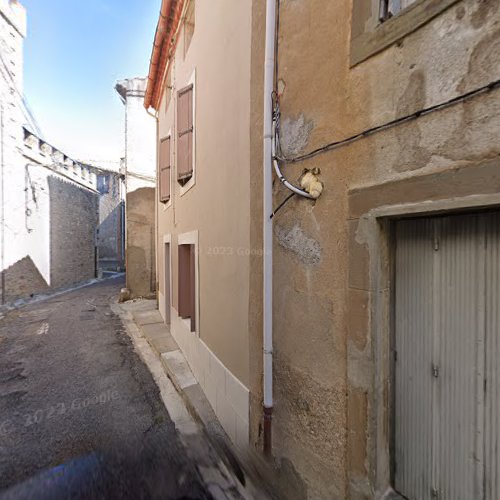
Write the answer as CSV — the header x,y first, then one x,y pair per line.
x,y
218,205
331,423
140,251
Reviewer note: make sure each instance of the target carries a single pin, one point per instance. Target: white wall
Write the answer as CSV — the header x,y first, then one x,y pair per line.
x,y
13,242
140,135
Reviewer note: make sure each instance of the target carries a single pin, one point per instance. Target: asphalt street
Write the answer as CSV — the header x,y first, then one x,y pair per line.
x,y
80,411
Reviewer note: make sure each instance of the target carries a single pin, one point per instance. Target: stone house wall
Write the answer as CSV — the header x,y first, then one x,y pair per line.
x,y
110,241
74,218
332,260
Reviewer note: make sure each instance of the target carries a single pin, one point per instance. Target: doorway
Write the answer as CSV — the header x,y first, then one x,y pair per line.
x,y
167,281
446,350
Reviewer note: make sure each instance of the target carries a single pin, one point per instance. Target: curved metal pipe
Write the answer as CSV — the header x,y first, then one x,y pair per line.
x,y
289,185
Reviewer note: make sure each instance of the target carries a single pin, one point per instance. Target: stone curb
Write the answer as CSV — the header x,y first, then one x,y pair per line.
x,y
179,373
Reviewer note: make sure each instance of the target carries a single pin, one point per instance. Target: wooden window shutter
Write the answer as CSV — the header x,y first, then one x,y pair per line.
x,y
185,134
164,170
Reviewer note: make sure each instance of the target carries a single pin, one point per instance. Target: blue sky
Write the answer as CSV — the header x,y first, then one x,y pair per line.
x,y
74,53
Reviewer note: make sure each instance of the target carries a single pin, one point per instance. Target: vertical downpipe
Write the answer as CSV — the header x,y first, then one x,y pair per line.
x,y
268,228
156,230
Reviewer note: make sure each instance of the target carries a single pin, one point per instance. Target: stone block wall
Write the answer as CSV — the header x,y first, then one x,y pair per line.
x,y
21,280
332,288
111,213
74,216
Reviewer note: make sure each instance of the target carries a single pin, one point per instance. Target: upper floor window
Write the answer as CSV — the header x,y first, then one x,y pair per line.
x,y
164,170
103,181
378,24
185,132
389,8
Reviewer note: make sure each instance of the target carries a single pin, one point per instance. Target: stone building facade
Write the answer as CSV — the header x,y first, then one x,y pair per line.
x,y
397,104
60,218
335,332
111,230
49,204
139,170
12,117
73,220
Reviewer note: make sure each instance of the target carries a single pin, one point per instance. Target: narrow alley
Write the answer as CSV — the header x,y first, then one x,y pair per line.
x,y
250,249
74,392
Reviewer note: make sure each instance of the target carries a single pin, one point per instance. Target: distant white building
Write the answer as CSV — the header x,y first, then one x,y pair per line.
x,y
139,167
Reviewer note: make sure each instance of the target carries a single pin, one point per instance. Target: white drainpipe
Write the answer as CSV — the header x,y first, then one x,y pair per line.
x,y
268,227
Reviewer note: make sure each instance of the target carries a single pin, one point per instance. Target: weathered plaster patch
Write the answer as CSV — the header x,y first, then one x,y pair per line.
x,y
295,134
483,63
460,12
412,155
472,137
365,228
281,87
308,250
485,10
359,367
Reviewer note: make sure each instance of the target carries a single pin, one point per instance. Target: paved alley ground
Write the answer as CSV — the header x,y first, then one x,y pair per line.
x,y
73,391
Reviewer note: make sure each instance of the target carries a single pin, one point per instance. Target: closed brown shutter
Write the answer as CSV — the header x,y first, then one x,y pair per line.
x,y
164,170
185,134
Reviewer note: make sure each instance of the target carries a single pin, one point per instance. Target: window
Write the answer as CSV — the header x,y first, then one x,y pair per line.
x,y
187,283
389,8
185,135
166,303
378,24
189,23
103,181
164,170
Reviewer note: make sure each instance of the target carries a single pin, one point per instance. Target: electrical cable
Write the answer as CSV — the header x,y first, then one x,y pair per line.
x,y
276,124
275,144
379,128
280,206
366,133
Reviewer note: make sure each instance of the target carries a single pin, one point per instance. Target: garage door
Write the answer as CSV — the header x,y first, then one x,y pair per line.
x,y
447,352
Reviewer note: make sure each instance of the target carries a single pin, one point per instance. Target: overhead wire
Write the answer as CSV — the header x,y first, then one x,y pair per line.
x,y
385,126
280,157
